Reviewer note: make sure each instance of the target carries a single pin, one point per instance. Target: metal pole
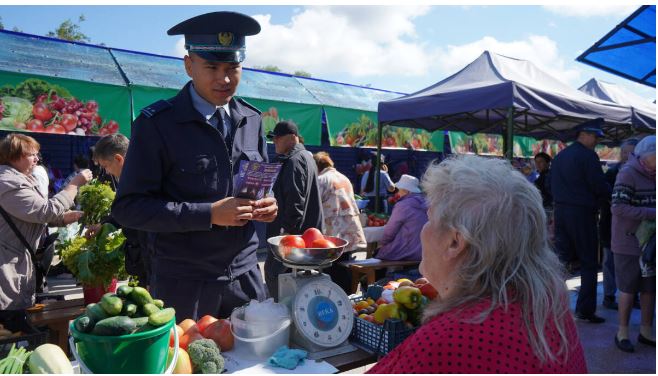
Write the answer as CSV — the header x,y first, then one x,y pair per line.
x,y
376,167
508,140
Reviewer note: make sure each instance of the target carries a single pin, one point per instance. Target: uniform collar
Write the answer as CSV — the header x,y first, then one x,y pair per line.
x,y
205,108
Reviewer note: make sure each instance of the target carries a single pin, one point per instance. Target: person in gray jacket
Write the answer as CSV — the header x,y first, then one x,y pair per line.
x,y
297,194
30,211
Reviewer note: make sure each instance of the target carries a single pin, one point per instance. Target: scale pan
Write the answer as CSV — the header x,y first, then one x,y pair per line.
x,y
307,256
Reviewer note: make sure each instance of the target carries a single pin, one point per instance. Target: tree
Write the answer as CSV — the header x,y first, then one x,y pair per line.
x,y
302,73
2,26
68,30
269,68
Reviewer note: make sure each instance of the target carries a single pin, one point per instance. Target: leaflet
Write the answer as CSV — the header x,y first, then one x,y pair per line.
x,y
255,180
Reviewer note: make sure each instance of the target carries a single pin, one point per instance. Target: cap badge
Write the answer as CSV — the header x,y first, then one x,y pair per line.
x,y
225,38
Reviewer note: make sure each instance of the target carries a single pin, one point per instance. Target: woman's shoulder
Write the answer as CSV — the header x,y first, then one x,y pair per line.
x,y
10,178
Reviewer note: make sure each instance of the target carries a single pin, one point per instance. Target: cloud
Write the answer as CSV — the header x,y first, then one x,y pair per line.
x,y
592,10
540,50
342,39
179,49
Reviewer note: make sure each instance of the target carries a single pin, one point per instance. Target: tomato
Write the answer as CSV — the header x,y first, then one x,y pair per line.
x,y
323,243
429,291
178,331
203,322
35,125
294,241
310,235
112,126
188,338
69,122
220,332
55,128
187,324
183,364
41,112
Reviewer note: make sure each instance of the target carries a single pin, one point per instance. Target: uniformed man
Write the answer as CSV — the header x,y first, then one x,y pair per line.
x,y
177,181
578,187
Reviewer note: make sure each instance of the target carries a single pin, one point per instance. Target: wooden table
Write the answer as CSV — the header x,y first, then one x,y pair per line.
x,y
368,267
56,316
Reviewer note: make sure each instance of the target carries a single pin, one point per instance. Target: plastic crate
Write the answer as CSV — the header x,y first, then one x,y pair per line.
x,y
17,321
379,339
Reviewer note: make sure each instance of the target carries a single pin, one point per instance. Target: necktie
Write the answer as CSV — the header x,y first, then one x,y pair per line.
x,y
220,114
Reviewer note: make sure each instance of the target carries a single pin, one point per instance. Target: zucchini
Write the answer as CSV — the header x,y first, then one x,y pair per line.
x,y
49,358
114,326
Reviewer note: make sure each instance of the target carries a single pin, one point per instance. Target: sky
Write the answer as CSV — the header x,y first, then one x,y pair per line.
x,y
396,48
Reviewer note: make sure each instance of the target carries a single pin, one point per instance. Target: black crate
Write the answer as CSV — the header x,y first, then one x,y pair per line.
x,y
379,339
17,321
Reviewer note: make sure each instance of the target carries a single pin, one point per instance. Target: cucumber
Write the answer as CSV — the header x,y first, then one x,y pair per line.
x,y
84,324
162,317
96,313
141,322
114,326
149,309
129,309
112,304
159,303
124,290
140,296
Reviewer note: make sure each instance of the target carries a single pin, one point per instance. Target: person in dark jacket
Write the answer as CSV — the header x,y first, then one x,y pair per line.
x,y
578,186
177,181
609,285
543,181
110,153
297,193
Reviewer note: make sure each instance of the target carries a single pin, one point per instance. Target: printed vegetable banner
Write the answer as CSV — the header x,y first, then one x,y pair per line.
x,y
492,144
33,103
144,96
348,127
308,117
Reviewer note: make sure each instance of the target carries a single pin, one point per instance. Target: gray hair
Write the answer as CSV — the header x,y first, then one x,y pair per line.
x,y
646,146
500,215
110,145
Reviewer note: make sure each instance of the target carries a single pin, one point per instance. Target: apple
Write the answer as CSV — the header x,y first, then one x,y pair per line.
x,y
310,235
323,243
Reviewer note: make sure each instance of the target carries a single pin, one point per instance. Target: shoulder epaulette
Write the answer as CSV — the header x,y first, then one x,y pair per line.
x,y
248,105
154,108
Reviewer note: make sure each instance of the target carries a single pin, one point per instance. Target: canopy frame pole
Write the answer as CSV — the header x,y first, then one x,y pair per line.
x,y
508,141
376,167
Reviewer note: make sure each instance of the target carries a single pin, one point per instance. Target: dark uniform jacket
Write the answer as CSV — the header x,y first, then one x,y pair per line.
x,y
577,178
297,193
178,165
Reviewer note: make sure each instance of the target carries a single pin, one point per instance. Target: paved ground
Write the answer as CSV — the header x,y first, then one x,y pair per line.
x,y
597,339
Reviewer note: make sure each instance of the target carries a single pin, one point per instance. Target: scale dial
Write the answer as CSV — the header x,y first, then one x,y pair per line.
x,y
323,314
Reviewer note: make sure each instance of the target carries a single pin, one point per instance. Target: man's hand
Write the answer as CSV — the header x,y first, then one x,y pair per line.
x,y
265,210
72,216
231,211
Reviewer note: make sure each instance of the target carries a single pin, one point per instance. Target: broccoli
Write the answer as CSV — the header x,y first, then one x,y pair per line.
x,y
205,356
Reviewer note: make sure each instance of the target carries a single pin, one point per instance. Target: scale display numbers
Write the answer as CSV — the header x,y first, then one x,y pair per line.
x,y
323,313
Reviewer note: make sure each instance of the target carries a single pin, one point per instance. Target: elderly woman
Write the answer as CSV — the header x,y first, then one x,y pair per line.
x,y
341,215
634,201
502,304
30,211
401,238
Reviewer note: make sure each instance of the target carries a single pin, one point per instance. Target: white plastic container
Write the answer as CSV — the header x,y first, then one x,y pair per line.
x,y
259,339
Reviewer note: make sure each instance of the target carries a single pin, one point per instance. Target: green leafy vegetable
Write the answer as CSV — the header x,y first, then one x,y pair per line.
x,y
31,88
98,260
16,110
95,200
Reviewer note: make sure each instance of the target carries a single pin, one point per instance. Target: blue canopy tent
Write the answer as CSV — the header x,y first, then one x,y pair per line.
x,y
643,112
503,95
629,50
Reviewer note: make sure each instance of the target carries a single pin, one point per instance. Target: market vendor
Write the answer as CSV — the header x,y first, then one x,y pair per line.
x,y
177,181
